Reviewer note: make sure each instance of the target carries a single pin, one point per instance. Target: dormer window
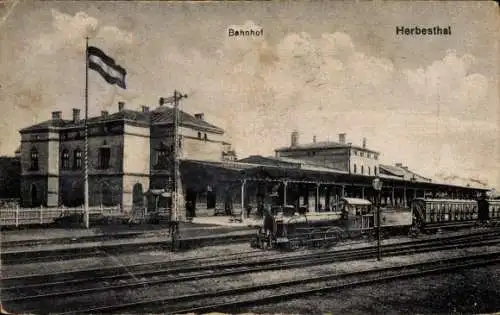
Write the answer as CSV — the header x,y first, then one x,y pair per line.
x,y
199,135
205,136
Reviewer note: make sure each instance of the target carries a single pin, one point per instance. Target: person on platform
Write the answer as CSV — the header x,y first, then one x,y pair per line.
x,y
483,209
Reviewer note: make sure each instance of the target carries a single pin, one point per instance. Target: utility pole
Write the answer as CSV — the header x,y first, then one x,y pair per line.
x,y
174,217
377,186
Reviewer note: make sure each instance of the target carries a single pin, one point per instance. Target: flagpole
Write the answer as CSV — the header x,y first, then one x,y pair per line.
x,y
86,162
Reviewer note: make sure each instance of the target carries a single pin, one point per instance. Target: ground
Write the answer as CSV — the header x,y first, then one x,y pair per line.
x,y
466,292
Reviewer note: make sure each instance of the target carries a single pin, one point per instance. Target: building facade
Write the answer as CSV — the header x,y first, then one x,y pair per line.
x,y
129,152
338,155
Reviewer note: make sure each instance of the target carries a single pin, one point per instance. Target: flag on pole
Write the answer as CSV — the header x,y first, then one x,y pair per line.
x,y
106,66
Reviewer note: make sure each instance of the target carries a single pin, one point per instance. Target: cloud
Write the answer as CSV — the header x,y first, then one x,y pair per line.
x,y
260,89
325,85
49,69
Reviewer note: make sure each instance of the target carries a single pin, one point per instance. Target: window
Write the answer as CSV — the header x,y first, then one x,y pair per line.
x,y
162,159
205,136
77,159
369,171
374,170
369,155
199,135
354,171
362,170
104,157
65,159
34,159
362,154
376,157
355,152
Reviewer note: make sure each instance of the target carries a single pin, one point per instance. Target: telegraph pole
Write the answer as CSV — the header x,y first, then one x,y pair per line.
x,y
174,217
86,219
377,186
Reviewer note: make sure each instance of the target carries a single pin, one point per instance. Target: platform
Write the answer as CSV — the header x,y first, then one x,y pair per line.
x,y
54,235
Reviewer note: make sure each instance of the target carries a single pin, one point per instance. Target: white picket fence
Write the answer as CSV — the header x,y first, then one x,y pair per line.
x,y
23,216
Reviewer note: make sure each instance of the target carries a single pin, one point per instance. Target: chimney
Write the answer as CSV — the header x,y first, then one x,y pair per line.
x,y
104,113
145,109
314,139
294,138
121,106
76,115
56,115
199,116
342,138
364,143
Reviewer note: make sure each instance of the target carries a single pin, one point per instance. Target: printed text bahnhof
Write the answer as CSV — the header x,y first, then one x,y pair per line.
x,y
420,30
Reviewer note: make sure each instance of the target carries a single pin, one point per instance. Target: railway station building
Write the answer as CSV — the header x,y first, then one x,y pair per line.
x,y
315,175
130,155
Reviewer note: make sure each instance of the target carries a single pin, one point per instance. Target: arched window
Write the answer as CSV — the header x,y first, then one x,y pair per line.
x,y
354,171
77,159
65,159
362,170
34,159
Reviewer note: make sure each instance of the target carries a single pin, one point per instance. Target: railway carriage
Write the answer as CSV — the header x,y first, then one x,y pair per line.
x,y
289,227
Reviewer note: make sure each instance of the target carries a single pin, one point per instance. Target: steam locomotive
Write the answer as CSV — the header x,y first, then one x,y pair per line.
x,y
288,227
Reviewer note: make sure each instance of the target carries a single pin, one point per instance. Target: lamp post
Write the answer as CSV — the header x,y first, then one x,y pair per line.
x,y
377,185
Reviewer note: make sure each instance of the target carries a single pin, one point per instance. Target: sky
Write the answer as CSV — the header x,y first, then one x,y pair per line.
x,y
321,68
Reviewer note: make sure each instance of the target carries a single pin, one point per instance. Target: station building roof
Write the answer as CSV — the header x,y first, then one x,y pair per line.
x,y
159,116
323,145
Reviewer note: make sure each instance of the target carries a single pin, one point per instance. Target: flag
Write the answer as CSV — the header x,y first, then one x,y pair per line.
x,y
106,66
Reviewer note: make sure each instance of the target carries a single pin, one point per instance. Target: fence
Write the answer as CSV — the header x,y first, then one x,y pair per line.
x,y
23,216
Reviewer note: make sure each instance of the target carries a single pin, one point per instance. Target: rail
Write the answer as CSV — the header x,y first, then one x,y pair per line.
x,y
18,216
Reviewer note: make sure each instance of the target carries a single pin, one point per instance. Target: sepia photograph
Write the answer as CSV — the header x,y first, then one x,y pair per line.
x,y
249,157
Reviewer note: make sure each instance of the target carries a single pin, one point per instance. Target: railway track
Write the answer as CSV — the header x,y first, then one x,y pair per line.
x,y
235,299
45,255
199,264
41,289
